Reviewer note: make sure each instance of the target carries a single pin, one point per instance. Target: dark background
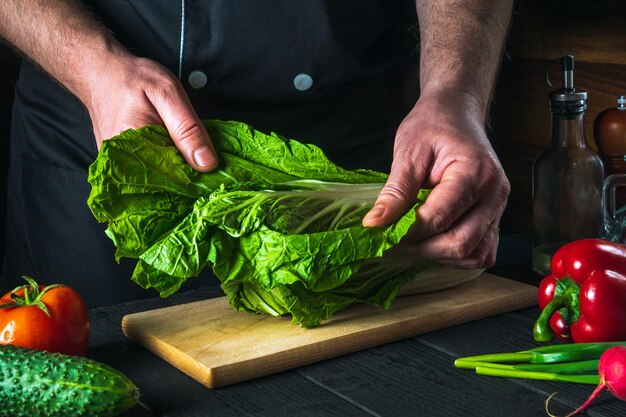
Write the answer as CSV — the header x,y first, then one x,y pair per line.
x,y
542,30
9,63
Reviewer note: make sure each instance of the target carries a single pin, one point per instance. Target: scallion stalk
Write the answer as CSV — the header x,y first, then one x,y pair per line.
x,y
563,352
579,367
544,376
573,362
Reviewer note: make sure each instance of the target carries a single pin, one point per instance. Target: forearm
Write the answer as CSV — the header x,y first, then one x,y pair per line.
x,y
461,47
62,38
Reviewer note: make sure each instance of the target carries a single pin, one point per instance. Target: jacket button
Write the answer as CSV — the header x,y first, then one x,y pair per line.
x,y
197,79
302,82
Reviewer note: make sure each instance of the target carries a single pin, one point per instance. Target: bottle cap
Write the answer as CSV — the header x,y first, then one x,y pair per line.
x,y
567,99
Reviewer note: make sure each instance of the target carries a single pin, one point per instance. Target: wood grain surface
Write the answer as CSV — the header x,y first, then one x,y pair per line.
x,y
218,346
542,31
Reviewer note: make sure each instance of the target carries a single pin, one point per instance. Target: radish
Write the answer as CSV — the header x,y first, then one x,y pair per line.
x,y
612,373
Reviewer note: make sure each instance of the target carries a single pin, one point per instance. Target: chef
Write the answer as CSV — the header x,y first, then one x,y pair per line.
x,y
328,72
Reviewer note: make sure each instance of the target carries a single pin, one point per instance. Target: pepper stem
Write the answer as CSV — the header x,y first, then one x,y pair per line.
x,y
568,299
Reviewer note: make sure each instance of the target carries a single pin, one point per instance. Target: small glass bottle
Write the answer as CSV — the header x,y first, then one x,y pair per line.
x,y
567,177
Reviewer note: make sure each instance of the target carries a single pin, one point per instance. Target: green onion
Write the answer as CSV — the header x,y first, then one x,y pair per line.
x,y
579,367
563,362
545,376
564,352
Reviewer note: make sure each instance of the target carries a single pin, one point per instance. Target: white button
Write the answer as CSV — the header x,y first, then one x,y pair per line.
x,y
197,79
302,82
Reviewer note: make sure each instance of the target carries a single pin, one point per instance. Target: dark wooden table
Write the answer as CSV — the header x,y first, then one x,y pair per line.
x,y
413,377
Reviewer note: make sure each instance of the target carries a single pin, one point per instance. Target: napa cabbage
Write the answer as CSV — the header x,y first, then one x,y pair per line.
x,y
277,221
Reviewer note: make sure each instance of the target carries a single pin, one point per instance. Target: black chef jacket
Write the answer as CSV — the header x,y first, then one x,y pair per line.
x,y
320,71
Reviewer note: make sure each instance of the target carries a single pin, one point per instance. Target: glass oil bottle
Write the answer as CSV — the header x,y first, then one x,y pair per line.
x,y
567,176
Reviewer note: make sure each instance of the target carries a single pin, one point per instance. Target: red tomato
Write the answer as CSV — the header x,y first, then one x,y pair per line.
x,y
52,318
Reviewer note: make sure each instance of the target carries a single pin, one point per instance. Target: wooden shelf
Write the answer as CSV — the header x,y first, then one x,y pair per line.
x,y
542,31
593,31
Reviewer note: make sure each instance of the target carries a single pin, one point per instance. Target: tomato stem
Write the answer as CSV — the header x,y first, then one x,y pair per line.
x,y
32,295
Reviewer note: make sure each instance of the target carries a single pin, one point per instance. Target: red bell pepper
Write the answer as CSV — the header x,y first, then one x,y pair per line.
x,y
583,299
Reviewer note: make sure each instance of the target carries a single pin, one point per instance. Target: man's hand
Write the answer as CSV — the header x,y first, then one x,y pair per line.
x,y
119,90
442,145
135,92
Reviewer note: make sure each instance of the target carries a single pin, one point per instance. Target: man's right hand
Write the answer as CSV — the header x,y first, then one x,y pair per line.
x,y
120,90
134,92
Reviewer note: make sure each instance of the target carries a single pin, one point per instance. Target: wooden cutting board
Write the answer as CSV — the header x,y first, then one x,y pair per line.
x,y
218,346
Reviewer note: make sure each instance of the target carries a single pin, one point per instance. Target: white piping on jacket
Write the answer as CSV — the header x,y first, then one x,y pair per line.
x,y
182,39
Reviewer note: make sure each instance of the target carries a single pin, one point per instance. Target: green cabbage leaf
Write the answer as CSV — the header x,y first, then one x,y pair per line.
x,y
277,221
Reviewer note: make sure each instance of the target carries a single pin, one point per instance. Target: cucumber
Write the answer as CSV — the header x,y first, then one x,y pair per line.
x,y
35,383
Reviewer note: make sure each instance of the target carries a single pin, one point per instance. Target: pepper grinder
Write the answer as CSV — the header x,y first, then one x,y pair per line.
x,y
567,176
609,131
